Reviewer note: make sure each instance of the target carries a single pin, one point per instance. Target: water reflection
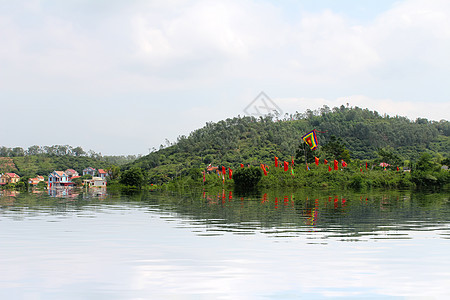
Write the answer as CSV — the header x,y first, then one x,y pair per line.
x,y
222,244
321,216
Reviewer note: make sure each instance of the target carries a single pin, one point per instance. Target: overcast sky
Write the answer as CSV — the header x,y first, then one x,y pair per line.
x,y
119,77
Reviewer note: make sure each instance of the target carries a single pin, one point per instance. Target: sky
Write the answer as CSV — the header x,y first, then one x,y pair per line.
x,y
122,77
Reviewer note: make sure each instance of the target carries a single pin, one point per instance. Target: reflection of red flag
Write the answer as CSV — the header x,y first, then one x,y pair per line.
x,y
336,165
286,166
325,161
242,165
276,161
230,173
224,171
329,169
316,160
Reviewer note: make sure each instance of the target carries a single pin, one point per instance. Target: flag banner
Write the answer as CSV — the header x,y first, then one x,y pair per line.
x,y
264,170
311,139
242,165
316,160
224,170
344,164
286,166
325,161
329,169
336,165
230,173
276,161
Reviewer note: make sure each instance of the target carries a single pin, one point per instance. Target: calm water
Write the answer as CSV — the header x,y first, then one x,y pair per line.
x,y
224,246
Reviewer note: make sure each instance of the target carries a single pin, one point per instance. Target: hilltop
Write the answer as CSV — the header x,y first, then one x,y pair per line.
x,y
366,135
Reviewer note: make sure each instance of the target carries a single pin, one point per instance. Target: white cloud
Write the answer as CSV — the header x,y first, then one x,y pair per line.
x,y
170,52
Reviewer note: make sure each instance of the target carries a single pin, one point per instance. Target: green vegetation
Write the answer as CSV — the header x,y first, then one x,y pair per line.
x,y
351,134
357,136
133,177
247,178
38,160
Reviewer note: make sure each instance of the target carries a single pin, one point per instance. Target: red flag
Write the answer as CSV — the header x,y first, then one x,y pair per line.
x,y
224,171
398,169
344,164
286,166
316,160
242,165
292,161
329,169
264,170
336,165
366,165
276,161
325,161
230,173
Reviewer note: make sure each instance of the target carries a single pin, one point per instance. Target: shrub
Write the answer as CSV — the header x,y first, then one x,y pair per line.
x,y
247,177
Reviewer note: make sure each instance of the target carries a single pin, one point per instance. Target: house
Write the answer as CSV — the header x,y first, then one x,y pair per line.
x,y
95,182
89,171
71,173
36,180
58,178
9,178
102,174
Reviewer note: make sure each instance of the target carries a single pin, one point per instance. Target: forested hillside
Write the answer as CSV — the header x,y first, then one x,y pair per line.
x,y
249,140
38,160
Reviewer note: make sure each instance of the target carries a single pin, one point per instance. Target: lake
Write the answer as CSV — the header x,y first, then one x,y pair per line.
x,y
222,245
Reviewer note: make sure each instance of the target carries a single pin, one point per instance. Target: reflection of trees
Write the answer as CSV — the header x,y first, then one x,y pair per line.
x,y
351,215
333,214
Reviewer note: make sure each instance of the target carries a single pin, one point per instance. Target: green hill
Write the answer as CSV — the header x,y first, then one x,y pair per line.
x,y
249,140
37,160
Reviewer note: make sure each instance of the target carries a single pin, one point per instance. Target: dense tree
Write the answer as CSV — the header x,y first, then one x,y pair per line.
x,y
113,172
335,149
133,177
247,177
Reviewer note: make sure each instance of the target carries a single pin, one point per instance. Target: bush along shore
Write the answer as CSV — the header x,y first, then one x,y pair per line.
x,y
425,174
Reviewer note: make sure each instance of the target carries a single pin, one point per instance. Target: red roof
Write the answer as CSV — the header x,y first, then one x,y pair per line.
x,y
12,175
101,171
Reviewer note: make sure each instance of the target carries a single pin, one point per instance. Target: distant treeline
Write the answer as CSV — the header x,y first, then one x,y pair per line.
x,y
42,160
366,135
65,150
